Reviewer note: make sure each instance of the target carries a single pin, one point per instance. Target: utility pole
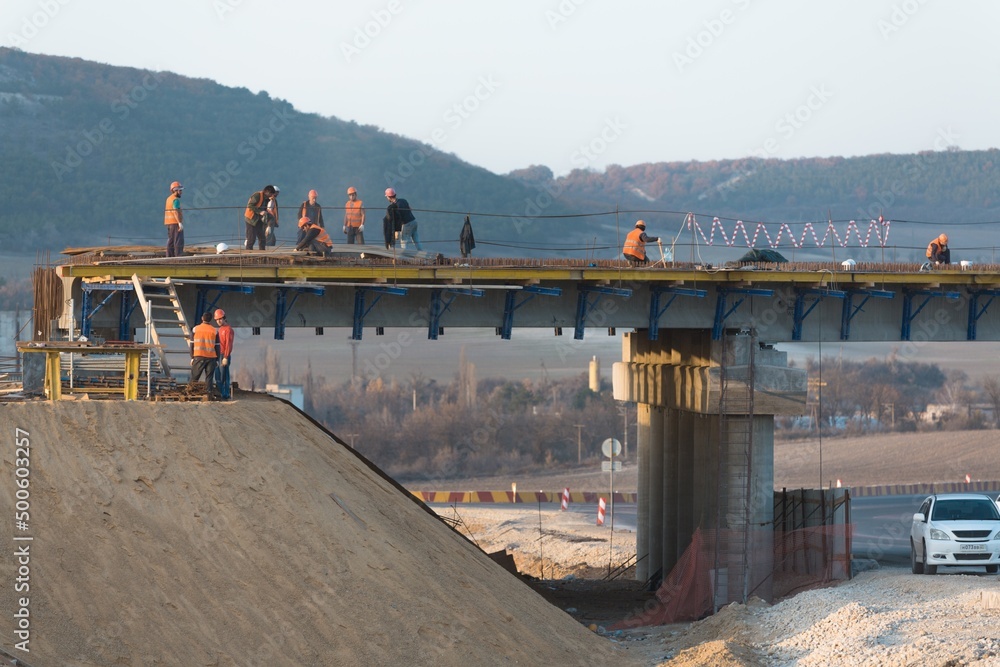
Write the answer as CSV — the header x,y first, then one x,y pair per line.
x,y
579,443
351,436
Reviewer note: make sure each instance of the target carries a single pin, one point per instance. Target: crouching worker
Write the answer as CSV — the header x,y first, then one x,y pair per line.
x,y
938,251
635,244
315,239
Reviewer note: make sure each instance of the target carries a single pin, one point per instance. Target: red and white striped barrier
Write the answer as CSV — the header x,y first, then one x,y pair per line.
x,y
600,512
877,228
565,500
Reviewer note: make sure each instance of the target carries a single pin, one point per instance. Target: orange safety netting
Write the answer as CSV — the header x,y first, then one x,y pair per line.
x,y
801,559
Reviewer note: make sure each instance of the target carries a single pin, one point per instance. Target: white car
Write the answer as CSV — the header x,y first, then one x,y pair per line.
x,y
957,529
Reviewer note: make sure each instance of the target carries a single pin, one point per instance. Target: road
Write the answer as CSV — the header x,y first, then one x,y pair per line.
x,y
882,527
881,523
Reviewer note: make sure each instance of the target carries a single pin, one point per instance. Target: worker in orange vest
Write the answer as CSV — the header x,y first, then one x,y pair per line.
x,y
226,339
635,244
938,251
204,352
173,218
354,217
316,238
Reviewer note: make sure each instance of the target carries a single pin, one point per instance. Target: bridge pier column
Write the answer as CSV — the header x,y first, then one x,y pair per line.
x,y
698,469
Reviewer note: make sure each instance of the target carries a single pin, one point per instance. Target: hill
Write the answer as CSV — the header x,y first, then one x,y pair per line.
x,y
87,151
242,534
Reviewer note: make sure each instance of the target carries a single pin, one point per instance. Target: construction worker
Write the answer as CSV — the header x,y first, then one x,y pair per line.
x,y
272,218
354,217
204,352
938,251
315,239
311,209
404,224
256,216
173,218
226,339
635,244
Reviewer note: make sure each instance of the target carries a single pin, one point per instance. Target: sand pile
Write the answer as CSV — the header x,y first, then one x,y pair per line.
x,y
241,534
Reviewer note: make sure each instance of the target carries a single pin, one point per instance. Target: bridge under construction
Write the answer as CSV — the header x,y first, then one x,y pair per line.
x,y
698,355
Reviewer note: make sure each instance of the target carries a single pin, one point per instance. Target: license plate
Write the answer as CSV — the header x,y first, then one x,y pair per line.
x,y
973,547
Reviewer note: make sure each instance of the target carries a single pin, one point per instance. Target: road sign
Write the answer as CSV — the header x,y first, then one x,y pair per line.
x,y
611,447
608,466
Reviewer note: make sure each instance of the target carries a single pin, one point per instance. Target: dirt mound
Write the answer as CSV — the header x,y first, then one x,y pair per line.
x,y
242,534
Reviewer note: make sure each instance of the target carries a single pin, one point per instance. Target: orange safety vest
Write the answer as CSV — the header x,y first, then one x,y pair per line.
x,y
203,341
933,248
173,216
634,245
252,213
323,237
354,213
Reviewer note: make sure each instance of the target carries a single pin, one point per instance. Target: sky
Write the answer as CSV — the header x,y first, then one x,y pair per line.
x,y
576,84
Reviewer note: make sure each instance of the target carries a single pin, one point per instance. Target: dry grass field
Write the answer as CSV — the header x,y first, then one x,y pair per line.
x,y
899,458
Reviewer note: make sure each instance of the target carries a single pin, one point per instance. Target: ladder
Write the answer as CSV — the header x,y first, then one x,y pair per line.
x,y
735,492
167,327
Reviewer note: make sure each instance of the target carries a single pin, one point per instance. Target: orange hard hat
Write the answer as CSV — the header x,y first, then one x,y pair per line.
x,y
313,193
943,238
176,185
351,191
303,221
389,192
219,313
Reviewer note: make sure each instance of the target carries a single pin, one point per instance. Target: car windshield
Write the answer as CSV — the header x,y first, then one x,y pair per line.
x,y
969,509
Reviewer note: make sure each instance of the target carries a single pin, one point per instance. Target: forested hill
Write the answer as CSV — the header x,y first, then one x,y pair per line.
x,y
949,185
87,152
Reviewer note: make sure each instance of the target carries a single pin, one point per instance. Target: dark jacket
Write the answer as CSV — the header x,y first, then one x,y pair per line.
x,y
466,239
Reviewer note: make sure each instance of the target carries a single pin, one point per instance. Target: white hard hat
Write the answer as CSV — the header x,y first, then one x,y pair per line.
x,y
221,248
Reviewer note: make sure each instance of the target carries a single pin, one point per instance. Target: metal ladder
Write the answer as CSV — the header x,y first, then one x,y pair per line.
x,y
733,521
167,327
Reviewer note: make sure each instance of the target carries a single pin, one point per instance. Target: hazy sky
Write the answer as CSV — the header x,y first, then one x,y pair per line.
x,y
576,83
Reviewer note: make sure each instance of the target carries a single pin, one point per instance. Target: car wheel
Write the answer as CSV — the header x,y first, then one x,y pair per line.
x,y
928,568
992,569
916,566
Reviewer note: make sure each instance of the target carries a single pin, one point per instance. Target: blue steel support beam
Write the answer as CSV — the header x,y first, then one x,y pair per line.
x,y
975,312
721,314
360,312
583,303
88,310
203,305
439,306
281,310
510,304
909,314
655,312
850,310
800,313
125,314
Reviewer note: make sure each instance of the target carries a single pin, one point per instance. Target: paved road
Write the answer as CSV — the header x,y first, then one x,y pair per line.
x,y
882,527
881,523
